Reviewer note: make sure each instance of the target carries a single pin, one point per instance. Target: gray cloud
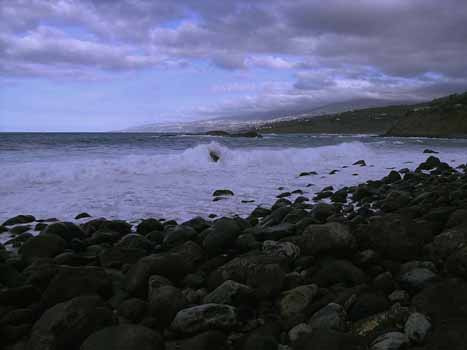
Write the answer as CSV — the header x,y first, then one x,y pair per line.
x,y
335,49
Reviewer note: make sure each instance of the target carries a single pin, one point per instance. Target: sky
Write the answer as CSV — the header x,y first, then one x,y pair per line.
x,y
100,65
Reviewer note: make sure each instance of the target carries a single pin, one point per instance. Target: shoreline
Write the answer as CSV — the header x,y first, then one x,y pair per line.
x,y
382,261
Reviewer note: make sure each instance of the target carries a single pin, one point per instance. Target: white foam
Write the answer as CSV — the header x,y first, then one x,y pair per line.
x,y
179,184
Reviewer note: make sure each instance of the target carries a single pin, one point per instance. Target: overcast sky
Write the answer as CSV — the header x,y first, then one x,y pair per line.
x,y
100,65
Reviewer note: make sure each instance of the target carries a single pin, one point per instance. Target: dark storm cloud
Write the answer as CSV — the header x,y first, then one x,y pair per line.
x,y
368,46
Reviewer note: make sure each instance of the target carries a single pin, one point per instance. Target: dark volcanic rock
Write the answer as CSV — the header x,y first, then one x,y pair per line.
x,y
70,282
394,236
66,325
164,303
124,337
368,304
42,246
224,192
262,273
338,271
221,236
149,225
331,238
82,216
205,317
19,219
66,230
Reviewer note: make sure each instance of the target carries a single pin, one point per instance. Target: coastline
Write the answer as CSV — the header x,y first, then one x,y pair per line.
x,y
377,262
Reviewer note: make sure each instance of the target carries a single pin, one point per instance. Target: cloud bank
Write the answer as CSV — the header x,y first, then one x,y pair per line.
x,y
315,52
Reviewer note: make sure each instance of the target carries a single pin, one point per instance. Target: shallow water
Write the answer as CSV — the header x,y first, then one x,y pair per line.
x,y
131,176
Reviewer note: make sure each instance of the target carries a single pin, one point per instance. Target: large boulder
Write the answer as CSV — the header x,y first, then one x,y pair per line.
x,y
446,243
395,237
171,265
66,325
164,303
66,230
149,225
331,272
42,246
19,219
124,337
205,317
263,273
331,238
178,235
295,302
444,303
332,316
221,236
135,241
70,282
456,264
230,293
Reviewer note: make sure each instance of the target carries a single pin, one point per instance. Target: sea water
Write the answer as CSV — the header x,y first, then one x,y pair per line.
x,y
132,176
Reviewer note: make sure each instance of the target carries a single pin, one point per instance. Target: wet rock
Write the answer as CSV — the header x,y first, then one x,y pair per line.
x,y
295,302
286,250
82,216
124,337
394,236
390,341
67,324
446,243
299,331
417,327
338,271
165,302
331,238
17,230
65,230
274,233
427,150
417,278
135,241
221,236
178,235
19,219
205,317
360,162
116,257
332,316
284,195
395,200
42,246
222,193
230,293
170,265
322,211
70,282
262,273
197,223
149,225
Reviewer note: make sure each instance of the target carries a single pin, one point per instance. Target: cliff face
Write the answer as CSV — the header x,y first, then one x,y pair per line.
x,y
446,117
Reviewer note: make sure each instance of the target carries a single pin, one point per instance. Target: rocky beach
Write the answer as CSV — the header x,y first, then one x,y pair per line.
x,y
380,265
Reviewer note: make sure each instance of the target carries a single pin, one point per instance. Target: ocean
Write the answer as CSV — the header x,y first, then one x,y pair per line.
x,y
135,175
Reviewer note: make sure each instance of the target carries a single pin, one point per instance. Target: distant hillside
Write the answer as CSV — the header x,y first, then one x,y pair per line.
x,y
444,117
